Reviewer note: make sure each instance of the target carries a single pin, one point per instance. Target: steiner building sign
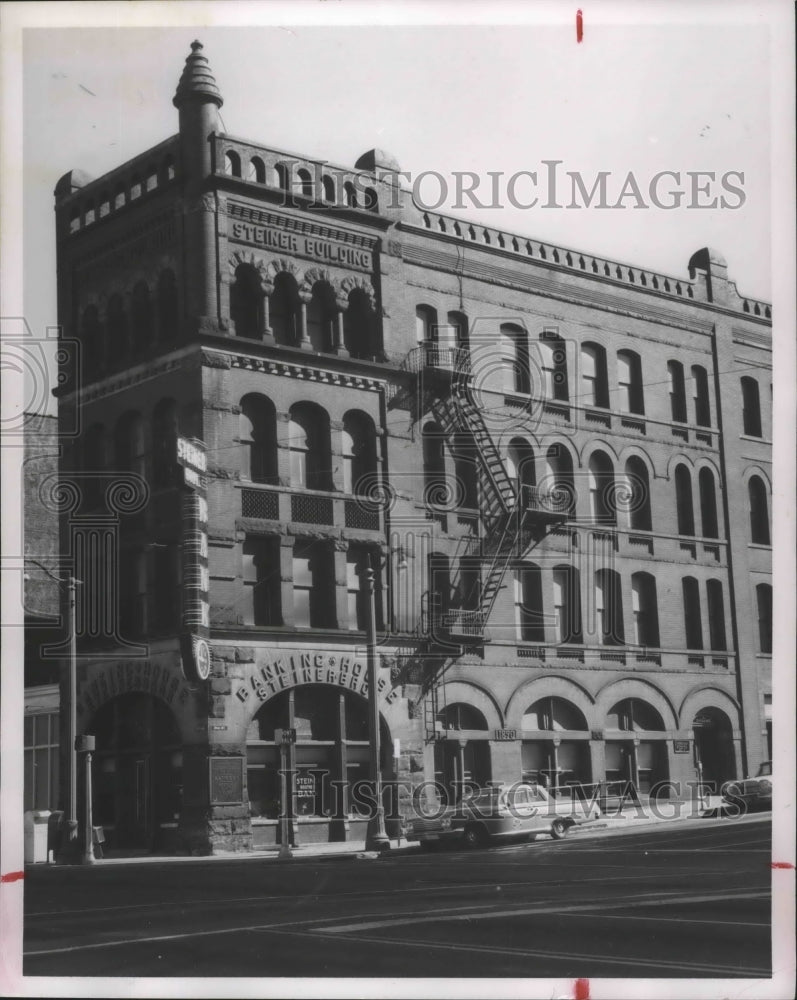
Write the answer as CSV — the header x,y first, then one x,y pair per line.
x,y
303,246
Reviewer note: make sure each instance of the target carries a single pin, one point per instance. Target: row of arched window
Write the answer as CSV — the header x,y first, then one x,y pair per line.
x,y
125,191
324,187
321,324
130,324
609,492
309,446
542,368
562,596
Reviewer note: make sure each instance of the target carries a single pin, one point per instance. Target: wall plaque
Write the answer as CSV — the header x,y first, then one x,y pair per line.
x,y
680,746
226,780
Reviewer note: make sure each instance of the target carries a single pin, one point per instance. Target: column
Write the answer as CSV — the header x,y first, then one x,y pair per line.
x,y
286,578
304,340
339,347
265,314
341,585
339,823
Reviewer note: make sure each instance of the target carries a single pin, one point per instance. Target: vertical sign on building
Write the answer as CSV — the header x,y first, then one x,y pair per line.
x,y
196,609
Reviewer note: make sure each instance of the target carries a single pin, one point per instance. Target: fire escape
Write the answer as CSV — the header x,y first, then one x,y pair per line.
x,y
512,518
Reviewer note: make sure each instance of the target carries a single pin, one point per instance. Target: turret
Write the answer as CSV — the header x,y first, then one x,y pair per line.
x,y
198,100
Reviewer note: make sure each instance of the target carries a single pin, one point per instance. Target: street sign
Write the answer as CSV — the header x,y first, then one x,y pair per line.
x,y
191,453
285,736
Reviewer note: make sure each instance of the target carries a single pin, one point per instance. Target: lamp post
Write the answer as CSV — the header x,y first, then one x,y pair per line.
x,y
376,838
69,850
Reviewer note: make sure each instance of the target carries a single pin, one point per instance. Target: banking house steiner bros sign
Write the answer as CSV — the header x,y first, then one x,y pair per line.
x,y
196,581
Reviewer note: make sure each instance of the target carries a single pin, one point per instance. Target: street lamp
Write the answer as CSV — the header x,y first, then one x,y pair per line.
x,y
69,849
376,838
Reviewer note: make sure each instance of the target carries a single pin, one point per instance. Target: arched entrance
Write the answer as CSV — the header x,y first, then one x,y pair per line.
x,y
137,775
462,758
555,748
714,754
636,748
330,759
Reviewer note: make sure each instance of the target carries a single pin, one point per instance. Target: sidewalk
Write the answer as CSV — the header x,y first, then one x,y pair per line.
x,y
630,816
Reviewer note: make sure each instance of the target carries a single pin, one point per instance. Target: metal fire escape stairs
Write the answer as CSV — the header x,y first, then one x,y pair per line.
x,y
511,520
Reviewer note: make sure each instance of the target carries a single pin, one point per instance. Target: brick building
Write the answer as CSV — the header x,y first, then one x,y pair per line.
x,y
558,464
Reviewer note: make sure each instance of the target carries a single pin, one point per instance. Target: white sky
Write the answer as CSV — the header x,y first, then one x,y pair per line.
x,y
638,98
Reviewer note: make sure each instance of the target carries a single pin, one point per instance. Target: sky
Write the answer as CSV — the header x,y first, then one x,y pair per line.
x,y
441,98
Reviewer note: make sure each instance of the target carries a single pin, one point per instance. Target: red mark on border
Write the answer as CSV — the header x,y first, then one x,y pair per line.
x,y
12,877
581,986
781,864
579,36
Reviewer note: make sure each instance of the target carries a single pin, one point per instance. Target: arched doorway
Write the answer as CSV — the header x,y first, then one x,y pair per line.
x,y
636,748
555,748
462,757
138,771
330,761
714,756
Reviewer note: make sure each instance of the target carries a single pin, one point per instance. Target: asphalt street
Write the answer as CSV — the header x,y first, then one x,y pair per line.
x,y
673,900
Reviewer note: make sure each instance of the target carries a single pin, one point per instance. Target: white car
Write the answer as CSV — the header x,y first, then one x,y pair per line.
x,y
503,812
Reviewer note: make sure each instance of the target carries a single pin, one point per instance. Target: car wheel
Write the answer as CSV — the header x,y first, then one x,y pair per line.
x,y
560,829
476,836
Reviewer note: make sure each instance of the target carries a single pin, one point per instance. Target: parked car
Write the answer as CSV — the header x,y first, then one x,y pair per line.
x,y
755,793
502,812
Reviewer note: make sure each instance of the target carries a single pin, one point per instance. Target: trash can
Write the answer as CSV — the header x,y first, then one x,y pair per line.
x,y
37,823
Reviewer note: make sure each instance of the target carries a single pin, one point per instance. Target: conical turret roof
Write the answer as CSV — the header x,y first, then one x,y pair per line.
x,y
197,80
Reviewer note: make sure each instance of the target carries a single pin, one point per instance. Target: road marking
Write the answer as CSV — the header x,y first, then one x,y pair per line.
x,y
718,923
630,902
570,957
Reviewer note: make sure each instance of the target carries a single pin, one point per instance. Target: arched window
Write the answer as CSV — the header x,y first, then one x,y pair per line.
x,y
358,321
256,171
151,177
119,197
716,615
683,501
515,354
693,622
425,324
700,389
328,187
594,382
143,320
434,468
466,460
763,596
609,608
168,319
751,407
246,302
675,374
105,205
167,172
632,715
129,444
359,453
135,187
93,340
165,431
553,362
118,345
284,303
283,176
257,433
89,213
708,503
458,329
460,717
601,489
558,482
567,604
554,715
629,381
305,182
646,610
350,194
232,164
638,494
529,616
520,466
759,513
309,446
322,312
